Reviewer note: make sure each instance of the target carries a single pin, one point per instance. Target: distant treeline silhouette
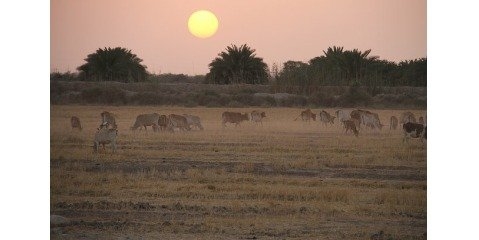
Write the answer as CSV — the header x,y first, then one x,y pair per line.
x,y
239,65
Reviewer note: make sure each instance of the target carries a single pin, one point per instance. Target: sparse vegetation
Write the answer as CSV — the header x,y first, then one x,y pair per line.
x,y
287,179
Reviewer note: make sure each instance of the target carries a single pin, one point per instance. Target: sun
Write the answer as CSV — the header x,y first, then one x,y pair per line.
x,y
203,24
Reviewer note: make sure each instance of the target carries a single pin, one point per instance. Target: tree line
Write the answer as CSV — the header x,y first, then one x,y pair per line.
x,y
240,65
339,67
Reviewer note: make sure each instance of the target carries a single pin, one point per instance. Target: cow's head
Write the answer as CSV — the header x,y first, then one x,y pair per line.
x,y
313,115
263,114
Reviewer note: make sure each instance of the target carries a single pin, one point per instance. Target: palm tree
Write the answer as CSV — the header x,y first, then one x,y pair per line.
x,y
237,65
113,64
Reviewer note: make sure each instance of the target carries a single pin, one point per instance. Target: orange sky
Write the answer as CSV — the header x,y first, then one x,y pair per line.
x,y
279,30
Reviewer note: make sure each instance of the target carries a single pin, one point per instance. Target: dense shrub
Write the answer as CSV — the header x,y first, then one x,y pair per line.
x,y
110,95
192,95
147,98
293,101
354,97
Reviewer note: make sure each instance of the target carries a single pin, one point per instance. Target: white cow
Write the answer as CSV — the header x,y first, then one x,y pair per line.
x,y
193,121
343,115
104,136
257,117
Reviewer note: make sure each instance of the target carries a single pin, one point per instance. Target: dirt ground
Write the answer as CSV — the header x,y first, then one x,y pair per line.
x,y
285,179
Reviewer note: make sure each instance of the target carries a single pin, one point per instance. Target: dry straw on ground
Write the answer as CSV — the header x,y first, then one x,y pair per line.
x,y
285,179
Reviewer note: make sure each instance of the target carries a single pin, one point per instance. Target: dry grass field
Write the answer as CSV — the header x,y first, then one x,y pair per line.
x,y
283,180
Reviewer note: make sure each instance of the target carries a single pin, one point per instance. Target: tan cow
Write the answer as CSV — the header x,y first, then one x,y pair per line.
x,y
177,121
108,119
144,120
326,118
257,116
75,122
306,115
393,123
234,117
371,120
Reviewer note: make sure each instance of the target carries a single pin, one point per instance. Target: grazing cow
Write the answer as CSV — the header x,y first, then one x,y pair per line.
x,y
144,120
306,115
421,120
105,136
234,117
326,118
343,115
109,118
356,115
393,123
371,120
163,122
177,121
351,125
257,117
367,118
414,130
193,121
75,122
407,117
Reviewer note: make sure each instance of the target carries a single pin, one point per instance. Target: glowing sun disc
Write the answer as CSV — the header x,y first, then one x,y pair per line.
x,y
203,24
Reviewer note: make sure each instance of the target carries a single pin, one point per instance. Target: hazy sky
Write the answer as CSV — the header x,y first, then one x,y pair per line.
x,y
279,30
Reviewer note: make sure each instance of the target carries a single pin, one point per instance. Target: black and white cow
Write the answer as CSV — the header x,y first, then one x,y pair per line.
x,y
414,130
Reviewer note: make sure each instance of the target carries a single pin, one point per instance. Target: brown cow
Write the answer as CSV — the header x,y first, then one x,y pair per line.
x,y
393,123
356,115
234,117
421,120
108,119
163,122
306,115
351,125
407,117
326,118
75,122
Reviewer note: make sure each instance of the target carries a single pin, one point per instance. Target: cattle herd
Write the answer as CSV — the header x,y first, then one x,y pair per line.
x,y
351,120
